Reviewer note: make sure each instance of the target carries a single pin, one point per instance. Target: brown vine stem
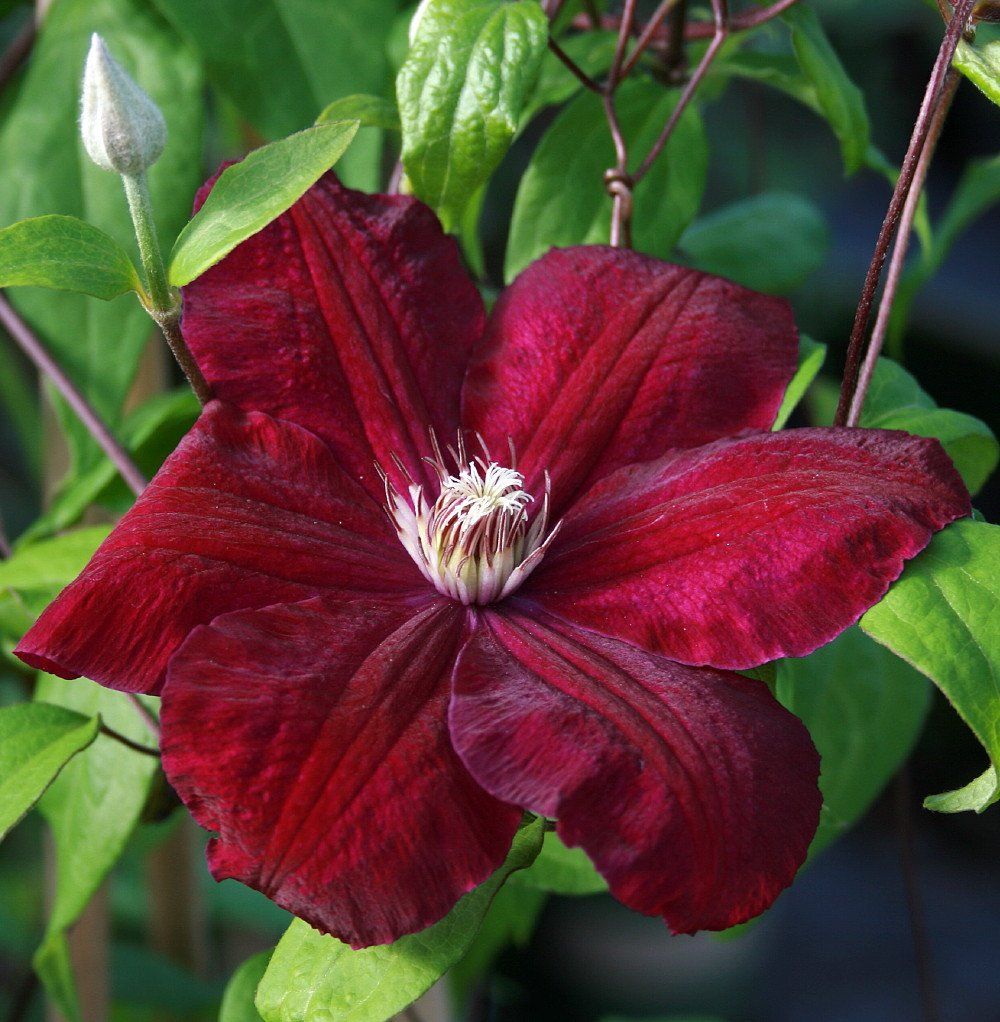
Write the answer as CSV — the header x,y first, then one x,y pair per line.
x,y
933,98
15,55
647,34
901,247
26,340
914,903
674,57
720,12
127,742
616,180
695,30
571,65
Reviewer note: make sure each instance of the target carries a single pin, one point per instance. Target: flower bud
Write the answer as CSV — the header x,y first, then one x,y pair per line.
x,y
123,129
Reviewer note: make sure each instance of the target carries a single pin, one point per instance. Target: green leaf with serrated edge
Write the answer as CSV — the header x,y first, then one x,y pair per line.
x,y
93,806
237,1002
841,101
149,434
45,171
36,742
896,401
943,617
461,92
864,709
252,193
562,201
316,976
66,254
280,62
981,65
562,870
812,355
368,111
769,242
35,572
510,922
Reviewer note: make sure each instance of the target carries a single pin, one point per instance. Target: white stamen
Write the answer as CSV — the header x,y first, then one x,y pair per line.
x,y
474,542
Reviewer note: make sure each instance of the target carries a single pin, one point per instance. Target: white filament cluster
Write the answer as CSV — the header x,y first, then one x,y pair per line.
x,y
474,543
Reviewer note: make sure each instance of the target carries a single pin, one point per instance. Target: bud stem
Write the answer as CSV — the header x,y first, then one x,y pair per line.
x,y
164,305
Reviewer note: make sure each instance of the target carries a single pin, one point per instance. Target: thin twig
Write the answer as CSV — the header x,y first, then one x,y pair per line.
x,y
136,746
624,31
571,65
17,53
616,180
695,30
933,97
901,247
720,10
647,35
914,902
147,715
26,340
673,54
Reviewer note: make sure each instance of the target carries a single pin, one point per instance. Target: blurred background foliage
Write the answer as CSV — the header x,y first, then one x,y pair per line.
x,y
754,185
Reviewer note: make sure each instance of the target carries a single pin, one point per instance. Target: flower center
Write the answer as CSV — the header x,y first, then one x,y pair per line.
x,y
475,542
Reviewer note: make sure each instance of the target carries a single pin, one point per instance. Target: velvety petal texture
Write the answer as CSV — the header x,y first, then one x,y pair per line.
x,y
312,739
693,791
246,512
749,549
350,314
598,357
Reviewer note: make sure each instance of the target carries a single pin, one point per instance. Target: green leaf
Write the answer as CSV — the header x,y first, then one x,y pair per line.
x,y
55,969
896,401
770,242
313,976
32,577
252,193
45,171
562,870
864,709
981,65
591,51
943,617
461,91
150,434
562,201
368,111
36,742
282,61
67,254
92,807
510,921
841,101
812,355
237,1002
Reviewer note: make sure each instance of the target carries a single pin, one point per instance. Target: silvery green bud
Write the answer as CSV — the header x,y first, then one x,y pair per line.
x,y
123,129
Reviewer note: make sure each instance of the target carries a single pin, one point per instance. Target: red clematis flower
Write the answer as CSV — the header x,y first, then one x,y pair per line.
x,y
360,704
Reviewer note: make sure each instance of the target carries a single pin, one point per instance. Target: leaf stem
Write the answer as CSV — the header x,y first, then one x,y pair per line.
x,y
26,340
901,247
914,902
164,303
135,746
147,715
578,73
934,95
720,11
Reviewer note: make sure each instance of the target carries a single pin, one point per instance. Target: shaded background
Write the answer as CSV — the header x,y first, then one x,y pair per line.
x,y
838,946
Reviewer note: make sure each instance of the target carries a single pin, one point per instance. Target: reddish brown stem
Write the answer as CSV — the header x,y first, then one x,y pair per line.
x,y
720,10
26,340
901,247
571,65
647,35
15,55
694,30
934,95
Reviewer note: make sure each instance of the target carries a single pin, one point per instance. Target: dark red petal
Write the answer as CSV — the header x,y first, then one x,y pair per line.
x,y
247,511
351,315
598,357
312,738
692,790
749,549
